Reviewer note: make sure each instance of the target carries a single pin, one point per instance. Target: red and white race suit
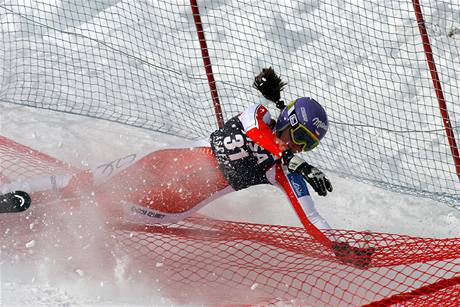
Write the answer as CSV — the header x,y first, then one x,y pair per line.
x,y
171,184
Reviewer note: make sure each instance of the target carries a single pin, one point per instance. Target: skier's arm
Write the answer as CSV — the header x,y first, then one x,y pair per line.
x,y
256,120
316,178
296,190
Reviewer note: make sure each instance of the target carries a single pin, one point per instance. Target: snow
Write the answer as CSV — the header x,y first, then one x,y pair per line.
x,y
85,142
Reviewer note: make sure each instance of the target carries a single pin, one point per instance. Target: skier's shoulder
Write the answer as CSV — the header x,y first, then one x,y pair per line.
x,y
255,109
253,115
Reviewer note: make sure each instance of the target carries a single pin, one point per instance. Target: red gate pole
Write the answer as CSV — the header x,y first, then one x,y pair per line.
x,y
207,62
437,85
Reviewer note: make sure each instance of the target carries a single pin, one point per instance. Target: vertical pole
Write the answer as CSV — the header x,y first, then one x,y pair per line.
x,y
437,85
207,63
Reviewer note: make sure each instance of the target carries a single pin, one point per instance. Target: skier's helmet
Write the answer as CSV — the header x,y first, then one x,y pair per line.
x,y
307,120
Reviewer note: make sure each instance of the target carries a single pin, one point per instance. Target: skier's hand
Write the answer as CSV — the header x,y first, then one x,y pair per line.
x,y
359,257
316,178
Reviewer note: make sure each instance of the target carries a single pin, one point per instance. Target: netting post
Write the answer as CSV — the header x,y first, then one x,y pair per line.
x,y
437,85
207,62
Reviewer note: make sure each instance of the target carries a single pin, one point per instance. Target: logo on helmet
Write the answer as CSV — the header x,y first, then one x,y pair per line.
x,y
304,114
293,120
319,124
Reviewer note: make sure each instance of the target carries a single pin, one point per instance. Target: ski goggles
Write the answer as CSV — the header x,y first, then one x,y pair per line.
x,y
302,136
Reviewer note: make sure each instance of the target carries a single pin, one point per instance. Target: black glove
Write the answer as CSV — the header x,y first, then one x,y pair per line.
x,y
359,257
311,174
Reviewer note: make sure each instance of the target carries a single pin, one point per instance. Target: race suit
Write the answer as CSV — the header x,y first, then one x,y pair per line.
x,y
171,184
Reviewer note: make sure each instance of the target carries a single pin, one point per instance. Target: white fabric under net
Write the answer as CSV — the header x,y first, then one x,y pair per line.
x,y
139,63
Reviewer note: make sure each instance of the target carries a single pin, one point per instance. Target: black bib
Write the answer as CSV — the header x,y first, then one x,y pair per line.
x,y
243,162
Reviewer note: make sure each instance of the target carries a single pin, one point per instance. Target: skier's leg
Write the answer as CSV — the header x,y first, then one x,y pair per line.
x,y
171,183
164,186
141,214
51,187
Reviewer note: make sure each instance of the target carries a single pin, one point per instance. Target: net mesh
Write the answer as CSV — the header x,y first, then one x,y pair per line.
x,y
20,163
213,262
139,63
250,263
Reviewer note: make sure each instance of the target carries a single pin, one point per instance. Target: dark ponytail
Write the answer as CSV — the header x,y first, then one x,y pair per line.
x,y
270,85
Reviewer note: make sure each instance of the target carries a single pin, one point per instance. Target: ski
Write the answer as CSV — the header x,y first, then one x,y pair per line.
x,y
17,201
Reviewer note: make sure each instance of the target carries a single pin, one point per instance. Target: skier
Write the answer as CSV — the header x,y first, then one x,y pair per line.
x,y
251,148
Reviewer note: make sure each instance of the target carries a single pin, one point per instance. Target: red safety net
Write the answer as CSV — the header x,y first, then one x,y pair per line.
x,y
252,264
214,262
